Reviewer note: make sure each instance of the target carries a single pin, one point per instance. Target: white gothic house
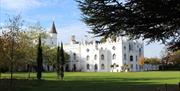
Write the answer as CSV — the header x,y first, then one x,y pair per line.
x,y
93,56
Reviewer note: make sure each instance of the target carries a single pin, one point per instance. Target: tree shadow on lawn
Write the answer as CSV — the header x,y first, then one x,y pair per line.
x,y
83,85
114,78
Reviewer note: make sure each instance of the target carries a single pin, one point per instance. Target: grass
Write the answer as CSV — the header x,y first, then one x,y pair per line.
x,y
85,81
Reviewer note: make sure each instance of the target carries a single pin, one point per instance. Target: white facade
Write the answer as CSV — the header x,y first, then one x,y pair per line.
x,y
93,56
51,39
104,57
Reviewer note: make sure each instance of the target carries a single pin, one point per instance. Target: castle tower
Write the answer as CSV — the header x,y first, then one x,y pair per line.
x,y
73,39
52,36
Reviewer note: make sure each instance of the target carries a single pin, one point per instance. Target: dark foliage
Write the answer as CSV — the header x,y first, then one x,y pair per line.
x,y
62,59
58,62
39,60
155,20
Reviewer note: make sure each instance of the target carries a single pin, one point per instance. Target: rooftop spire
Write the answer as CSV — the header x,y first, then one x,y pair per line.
x,y
53,29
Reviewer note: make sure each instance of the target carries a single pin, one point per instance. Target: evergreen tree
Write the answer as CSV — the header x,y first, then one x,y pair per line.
x,y
62,59
58,62
154,20
39,60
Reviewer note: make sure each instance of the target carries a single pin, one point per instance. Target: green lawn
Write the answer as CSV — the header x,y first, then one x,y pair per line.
x,y
85,81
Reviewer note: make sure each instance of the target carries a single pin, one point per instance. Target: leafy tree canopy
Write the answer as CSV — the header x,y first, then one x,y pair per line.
x,y
155,20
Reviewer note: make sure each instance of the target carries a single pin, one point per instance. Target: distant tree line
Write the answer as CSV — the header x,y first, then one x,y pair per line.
x,y
169,61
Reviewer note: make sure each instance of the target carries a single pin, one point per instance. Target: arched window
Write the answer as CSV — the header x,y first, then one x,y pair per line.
x,y
74,67
139,51
114,56
87,57
114,48
95,67
102,57
87,50
95,57
130,47
131,66
124,47
124,56
131,58
74,56
87,66
102,66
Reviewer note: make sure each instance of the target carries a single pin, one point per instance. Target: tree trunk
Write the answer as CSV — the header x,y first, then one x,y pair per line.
x,y
29,72
11,71
62,72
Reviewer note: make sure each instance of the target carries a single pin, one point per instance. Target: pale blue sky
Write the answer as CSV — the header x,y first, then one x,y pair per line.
x,y
65,13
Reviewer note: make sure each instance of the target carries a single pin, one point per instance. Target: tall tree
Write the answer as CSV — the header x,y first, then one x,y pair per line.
x,y
58,62
10,37
39,60
62,59
154,20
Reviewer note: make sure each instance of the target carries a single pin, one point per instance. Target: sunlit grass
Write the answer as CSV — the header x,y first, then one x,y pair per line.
x,y
103,81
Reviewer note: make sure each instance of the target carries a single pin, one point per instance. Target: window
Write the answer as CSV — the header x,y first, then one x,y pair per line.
x,y
124,47
102,57
101,48
124,56
136,67
114,56
139,51
87,66
102,66
130,47
74,56
74,67
87,50
96,46
95,67
136,58
114,48
131,66
87,58
95,57
131,58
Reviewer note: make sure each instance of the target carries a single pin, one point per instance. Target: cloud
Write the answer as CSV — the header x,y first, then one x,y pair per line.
x,y
23,5
20,5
